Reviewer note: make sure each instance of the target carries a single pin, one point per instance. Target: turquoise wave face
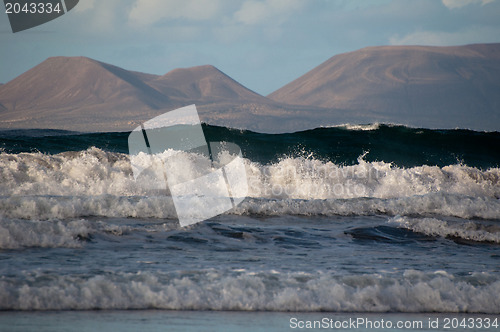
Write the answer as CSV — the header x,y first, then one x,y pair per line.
x,y
402,146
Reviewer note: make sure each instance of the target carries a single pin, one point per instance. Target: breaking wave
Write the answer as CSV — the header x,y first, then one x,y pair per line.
x,y
19,233
100,183
413,291
460,230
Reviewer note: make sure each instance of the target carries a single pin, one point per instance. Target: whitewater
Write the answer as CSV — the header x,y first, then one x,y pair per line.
x,y
369,218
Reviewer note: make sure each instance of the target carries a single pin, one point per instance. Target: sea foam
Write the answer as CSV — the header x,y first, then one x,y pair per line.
x,y
99,183
413,291
469,230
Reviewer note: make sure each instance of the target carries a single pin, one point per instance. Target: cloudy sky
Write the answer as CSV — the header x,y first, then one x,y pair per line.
x,y
263,44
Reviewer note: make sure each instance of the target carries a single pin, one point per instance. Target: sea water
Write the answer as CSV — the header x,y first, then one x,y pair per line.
x,y
344,220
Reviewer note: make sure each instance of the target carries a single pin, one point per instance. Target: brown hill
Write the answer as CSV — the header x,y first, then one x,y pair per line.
x,y
75,91
79,93
437,87
204,83
416,85
75,82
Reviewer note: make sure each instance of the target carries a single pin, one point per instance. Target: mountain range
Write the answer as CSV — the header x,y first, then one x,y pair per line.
x,y
432,87
422,86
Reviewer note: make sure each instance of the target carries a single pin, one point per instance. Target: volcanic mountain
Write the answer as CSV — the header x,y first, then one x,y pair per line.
x,y
75,82
422,86
205,84
443,87
79,93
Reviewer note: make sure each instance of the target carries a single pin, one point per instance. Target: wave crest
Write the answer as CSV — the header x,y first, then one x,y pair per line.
x,y
95,182
267,290
470,231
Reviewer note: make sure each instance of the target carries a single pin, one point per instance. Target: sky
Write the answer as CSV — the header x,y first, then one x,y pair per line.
x,y
263,44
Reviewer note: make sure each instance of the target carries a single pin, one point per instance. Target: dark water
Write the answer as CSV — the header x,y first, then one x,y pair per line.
x,y
373,218
402,146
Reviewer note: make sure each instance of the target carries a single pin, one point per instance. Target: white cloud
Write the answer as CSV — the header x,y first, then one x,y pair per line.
x,y
146,12
254,12
471,35
84,5
461,3
100,16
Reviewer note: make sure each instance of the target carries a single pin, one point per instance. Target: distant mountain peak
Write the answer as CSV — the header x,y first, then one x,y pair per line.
x,y
75,82
81,93
417,85
203,69
423,86
204,82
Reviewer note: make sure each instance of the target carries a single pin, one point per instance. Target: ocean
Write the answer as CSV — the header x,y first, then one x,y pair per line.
x,y
370,219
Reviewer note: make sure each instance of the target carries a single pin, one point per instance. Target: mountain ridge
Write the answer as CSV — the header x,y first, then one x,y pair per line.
x,y
74,81
203,82
414,85
419,86
75,92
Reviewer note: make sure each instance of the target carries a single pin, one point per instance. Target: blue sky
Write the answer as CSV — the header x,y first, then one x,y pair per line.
x,y
262,44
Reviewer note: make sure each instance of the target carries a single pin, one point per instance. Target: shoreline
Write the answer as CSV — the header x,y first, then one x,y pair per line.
x,y
162,320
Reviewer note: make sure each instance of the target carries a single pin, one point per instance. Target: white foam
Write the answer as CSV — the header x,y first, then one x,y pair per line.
x,y
434,204
363,127
15,233
413,291
358,127
48,207
90,172
62,207
464,230
302,178
99,183
33,233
